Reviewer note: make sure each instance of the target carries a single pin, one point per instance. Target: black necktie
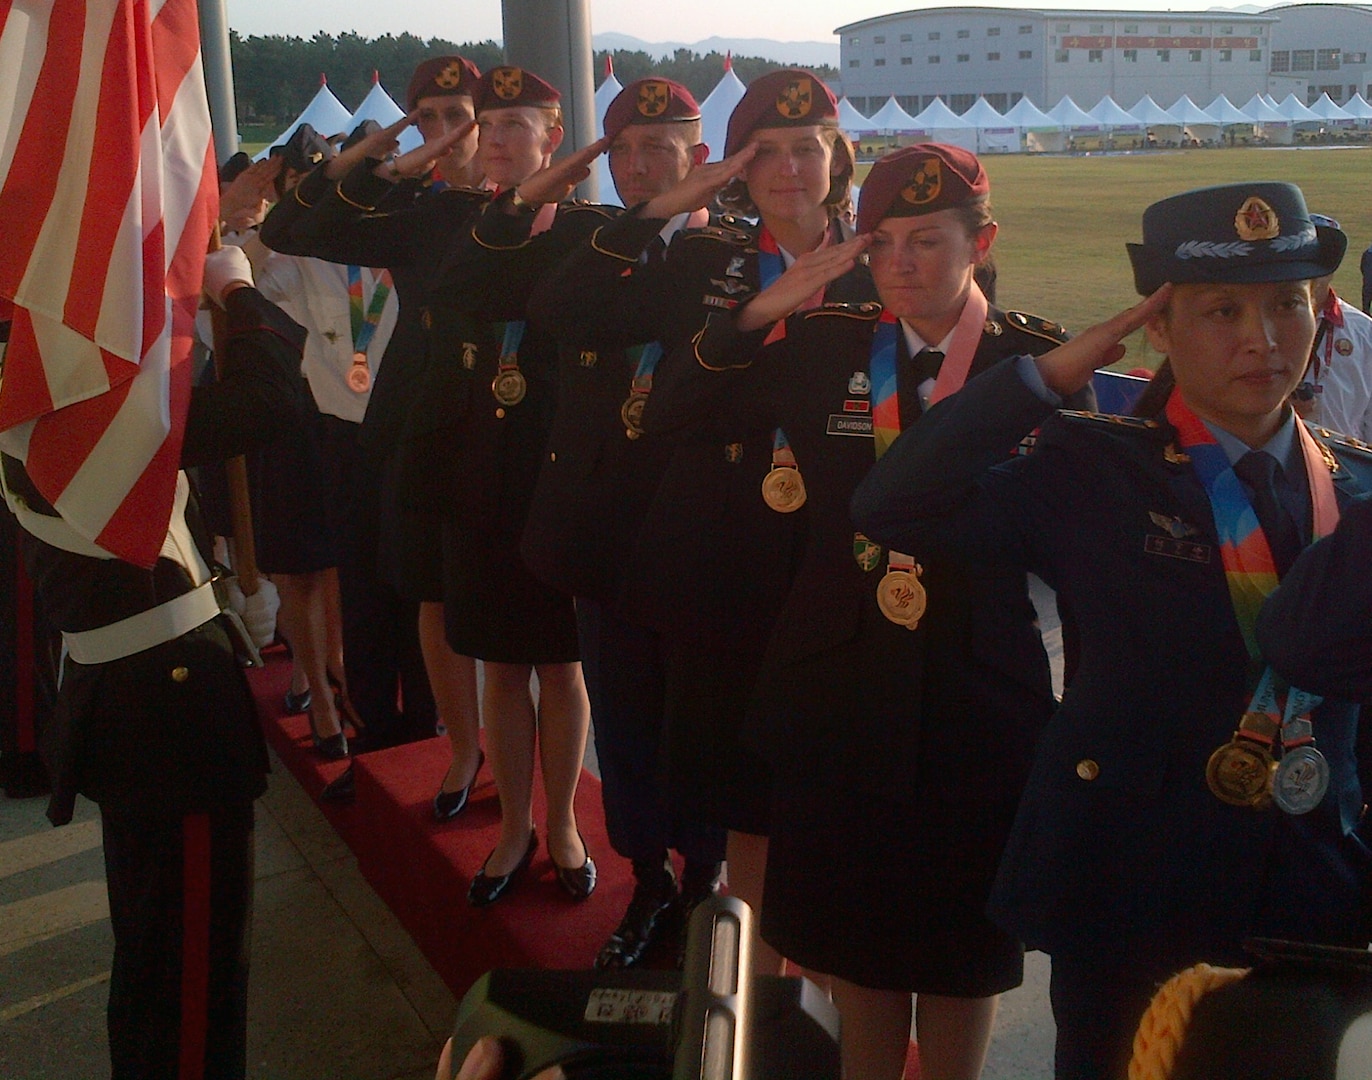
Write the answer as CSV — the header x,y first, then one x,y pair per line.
x,y
1261,474
912,373
656,248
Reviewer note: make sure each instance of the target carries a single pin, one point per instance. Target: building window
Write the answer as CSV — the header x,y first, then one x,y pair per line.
x,y
933,59
1354,58
1302,59
1226,55
906,61
908,102
1026,29
1164,28
1000,103
1026,54
1327,60
1097,28
1255,55
1130,28
964,34
1165,56
1060,56
880,61
1281,60
993,31
960,103
1131,56
1063,28
934,35
854,41
1196,28
1095,56
993,56
907,37
1226,31
1332,91
854,63
964,57
1195,56
880,39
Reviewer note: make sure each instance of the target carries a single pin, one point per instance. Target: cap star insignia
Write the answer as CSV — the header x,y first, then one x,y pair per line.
x,y
653,98
1174,527
1256,220
450,77
925,185
796,100
507,83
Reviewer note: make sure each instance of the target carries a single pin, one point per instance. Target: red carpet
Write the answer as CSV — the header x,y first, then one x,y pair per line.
x,y
421,869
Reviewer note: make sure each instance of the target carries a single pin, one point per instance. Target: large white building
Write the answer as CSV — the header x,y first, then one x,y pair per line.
x,y
1004,54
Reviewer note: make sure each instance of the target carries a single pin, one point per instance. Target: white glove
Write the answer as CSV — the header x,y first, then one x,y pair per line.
x,y
223,268
257,611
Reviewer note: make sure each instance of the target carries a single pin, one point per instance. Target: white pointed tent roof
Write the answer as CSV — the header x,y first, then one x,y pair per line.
x,y
893,119
1148,111
381,107
1069,114
715,110
852,121
936,116
1226,112
984,115
1327,109
1262,113
325,113
604,94
1186,111
1108,112
1358,107
1292,109
1024,113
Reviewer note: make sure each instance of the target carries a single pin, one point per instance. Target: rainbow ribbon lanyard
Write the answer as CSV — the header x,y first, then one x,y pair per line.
x,y
364,324
648,356
882,369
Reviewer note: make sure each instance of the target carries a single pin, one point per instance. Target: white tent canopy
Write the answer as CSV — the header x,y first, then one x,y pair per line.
x,y
1070,115
1187,112
994,132
946,125
1149,112
715,110
1327,109
1042,133
381,107
1260,112
1357,107
1292,109
604,94
891,119
1108,112
325,113
852,121
1226,112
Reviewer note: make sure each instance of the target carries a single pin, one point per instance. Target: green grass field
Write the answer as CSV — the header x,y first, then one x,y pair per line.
x,y
1064,221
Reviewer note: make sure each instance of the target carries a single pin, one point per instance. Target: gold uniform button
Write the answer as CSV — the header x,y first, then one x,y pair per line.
x,y
1087,769
500,414
180,674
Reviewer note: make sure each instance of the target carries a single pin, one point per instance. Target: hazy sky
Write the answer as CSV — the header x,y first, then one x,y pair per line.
x,y
651,20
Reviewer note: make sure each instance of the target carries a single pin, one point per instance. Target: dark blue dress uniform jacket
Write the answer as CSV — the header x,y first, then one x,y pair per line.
x,y
1119,843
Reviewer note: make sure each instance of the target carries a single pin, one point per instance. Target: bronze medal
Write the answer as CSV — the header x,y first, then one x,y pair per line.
x,y
509,386
783,489
359,375
631,412
1300,780
1240,773
901,597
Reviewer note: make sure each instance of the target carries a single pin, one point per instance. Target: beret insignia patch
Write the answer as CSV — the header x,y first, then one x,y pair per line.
x,y
925,185
796,100
450,77
653,98
507,83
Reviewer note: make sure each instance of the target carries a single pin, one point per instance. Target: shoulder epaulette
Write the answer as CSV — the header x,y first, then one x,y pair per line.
x,y
1138,423
582,205
1347,443
1032,324
727,234
457,189
866,312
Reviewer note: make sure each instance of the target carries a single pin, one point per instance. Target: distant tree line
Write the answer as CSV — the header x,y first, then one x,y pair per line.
x,y
275,77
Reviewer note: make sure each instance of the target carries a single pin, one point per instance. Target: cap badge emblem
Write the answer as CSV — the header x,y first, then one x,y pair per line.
x,y
925,186
507,83
653,98
450,78
795,101
1256,220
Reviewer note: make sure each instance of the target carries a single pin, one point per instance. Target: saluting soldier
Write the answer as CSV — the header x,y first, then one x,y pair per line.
x,y
712,562
366,208
898,704
1181,799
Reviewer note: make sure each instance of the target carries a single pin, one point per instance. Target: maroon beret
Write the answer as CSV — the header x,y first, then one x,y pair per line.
x,y
920,179
650,101
504,87
440,76
791,97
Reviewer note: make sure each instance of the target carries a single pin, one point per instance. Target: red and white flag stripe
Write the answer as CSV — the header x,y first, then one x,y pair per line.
x,y
107,195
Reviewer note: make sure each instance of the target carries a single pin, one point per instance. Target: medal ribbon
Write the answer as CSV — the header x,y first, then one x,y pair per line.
x,y
782,454
648,356
364,325
1249,568
771,265
509,348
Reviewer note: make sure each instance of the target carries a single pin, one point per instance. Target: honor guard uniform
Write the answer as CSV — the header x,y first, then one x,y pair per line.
x,y
598,477
401,489
711,564
155,724
1180,799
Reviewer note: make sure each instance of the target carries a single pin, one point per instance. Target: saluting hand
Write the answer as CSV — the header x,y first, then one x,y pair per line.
x,y
1069,367
802,279
376,145
700,186
424,158
558,180
243,202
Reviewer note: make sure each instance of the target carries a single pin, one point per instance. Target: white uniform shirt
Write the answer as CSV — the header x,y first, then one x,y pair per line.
x,y
1344,402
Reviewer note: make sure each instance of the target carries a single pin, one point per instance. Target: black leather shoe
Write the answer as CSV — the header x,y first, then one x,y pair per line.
x,y
579,882
448,804
343,788
297,703
485,889
655,893
330,747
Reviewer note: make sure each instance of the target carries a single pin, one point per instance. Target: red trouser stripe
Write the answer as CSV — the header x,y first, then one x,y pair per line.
x,y
195,944
25,662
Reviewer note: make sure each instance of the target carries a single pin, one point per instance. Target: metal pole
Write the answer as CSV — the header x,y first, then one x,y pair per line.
x,y
553,39
214,56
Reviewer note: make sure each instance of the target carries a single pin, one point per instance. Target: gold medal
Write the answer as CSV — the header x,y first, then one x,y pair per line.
x,y
783,489
631,412
509,386
1240,773
901,597
359,375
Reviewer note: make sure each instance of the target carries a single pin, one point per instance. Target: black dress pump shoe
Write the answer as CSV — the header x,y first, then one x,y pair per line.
x,y
579,882
448,804
485,889
329,747
297,703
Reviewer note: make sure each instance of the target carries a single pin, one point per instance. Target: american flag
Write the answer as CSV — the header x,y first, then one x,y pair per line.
x,y
107,195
